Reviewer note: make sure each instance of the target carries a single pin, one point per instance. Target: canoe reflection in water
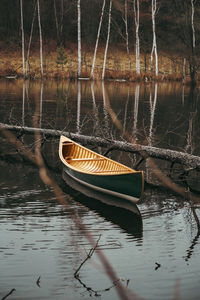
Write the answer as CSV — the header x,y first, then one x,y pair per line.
x,y
117,210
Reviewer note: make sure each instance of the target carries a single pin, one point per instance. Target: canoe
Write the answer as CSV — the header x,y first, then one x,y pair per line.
x,y
99,172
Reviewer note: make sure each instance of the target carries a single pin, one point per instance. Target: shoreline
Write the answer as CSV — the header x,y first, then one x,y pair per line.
x,y
63,65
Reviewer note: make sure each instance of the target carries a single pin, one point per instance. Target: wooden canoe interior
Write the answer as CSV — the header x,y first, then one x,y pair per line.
x,y
88,161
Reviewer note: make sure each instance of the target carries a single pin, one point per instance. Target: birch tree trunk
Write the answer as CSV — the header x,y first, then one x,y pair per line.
x,y
40,32
154,46
136,105
30,39
79,36
127,37
136,6
192,24
192,59
97,40
22,31
108,37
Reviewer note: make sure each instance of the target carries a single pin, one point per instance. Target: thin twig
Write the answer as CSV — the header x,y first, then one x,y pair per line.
x,y
92,250
6,296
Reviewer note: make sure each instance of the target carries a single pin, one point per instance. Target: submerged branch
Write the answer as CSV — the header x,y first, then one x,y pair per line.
x,y
190,161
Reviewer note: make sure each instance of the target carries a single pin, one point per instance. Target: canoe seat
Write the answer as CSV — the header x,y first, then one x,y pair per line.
x,y
68,143
84,159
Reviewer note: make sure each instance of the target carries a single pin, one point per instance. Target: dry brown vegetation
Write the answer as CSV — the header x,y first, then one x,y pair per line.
x,y
117,66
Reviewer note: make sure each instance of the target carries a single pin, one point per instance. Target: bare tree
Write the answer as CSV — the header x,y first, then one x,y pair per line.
x,y
127,37
22,30
97,40
56,20
136,6
154,46
30,39
59,25
192,24
40,32
107,41
79,36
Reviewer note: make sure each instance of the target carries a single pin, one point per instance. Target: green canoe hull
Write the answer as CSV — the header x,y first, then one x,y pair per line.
x,y
129,186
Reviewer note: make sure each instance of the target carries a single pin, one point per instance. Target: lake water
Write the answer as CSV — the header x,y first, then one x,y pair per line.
x,y
156,254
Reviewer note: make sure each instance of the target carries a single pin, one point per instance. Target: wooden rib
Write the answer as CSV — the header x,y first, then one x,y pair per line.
x,y
96,164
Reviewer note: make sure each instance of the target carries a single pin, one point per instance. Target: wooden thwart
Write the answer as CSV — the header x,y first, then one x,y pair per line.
x,y
85,159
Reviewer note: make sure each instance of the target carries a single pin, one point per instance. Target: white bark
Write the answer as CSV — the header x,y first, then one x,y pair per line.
x,y
152,111
108,37
97,40
136,104
40,32
79,36
78,107
137,39
127,37
22,30
192,24
154,46
30,39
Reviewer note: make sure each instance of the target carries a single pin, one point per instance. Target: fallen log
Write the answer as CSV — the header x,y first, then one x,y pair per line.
x,y
188,160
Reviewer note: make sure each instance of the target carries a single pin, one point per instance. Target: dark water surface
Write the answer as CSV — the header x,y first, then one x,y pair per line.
x,y
156,253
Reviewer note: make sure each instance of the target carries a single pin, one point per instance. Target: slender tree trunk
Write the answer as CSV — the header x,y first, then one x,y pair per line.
x,y
79,36
40,32
22,30
127,37
78,107
30,39
108,37
136,105
154,46
137,39
192,24
97,40
61,20
193,66
56,20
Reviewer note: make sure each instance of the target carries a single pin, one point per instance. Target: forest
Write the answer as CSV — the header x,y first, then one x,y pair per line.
x,y
123,37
